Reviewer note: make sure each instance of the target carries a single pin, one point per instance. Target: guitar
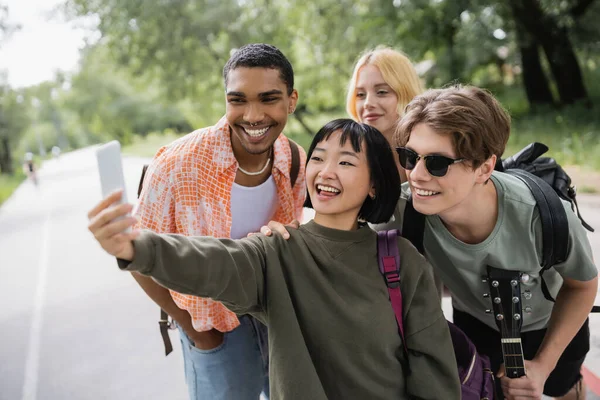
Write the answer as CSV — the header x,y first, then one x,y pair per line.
x,y
505,292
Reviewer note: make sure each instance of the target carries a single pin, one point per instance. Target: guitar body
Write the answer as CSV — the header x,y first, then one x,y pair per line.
x,y
505,293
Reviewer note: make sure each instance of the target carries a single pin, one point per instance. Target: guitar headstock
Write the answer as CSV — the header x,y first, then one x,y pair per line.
x,y
505,293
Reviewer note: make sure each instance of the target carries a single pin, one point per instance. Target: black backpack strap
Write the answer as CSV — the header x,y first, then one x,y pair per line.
x,y
413,226
571,192
295,169
555,225
164,323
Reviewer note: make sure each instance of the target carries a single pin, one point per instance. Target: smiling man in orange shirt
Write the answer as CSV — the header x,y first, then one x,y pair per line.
x,y
226,181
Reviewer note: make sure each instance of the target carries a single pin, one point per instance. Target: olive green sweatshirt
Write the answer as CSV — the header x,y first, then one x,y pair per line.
x,y
332,329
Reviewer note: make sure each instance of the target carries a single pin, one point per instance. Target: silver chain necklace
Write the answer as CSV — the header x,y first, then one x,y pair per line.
x,y
255,173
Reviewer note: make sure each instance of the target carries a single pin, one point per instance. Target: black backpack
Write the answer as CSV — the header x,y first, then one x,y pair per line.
x,y
548,183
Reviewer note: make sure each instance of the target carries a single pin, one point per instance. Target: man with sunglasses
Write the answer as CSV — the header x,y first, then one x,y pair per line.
x,y
449,141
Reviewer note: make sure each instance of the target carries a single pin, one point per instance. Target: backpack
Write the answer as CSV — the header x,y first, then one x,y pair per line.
x,y
546,168
474,372
164,323
548,183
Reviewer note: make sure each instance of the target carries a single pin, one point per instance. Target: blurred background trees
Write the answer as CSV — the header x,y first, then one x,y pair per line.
x,y
154,66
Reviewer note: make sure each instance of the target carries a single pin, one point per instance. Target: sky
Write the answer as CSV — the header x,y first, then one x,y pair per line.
x,y
43,45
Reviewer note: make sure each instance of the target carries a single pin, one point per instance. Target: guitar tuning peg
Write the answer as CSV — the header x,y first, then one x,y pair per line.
x,y
484,280
488,311
486,295
495,283
527,295
525,278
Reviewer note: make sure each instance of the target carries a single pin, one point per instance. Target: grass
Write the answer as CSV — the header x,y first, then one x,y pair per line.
x,y
587,189
8,184
571,133
147,146
572,138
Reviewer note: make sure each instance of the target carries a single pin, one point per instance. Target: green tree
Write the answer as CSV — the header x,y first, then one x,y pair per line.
x,y
541,24
109,103
14,119
12,116
185,43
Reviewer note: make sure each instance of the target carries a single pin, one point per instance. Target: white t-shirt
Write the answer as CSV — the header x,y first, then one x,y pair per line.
x,y
252,207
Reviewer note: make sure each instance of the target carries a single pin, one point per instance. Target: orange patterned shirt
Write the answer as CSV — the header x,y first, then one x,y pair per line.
x,y
187,190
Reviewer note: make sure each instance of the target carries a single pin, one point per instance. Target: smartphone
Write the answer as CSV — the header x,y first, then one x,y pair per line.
x,y
110,167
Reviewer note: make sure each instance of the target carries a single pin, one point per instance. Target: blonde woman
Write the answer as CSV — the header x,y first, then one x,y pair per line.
x,y
384,81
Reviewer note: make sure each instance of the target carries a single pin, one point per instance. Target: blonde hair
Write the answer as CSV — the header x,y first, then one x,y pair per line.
x,y
397,71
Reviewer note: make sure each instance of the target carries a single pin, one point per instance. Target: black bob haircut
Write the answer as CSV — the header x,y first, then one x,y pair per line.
x,y
382,166
261,55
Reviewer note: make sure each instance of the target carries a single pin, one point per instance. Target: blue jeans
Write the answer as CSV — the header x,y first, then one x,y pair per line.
x,y
237,369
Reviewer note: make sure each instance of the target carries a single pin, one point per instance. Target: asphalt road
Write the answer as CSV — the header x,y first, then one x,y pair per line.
x,y
72,325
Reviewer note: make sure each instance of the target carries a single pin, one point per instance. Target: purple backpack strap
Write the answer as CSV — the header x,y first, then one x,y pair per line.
x,y
389,266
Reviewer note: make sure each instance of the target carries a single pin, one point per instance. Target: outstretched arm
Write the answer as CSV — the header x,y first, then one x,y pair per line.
x,y
223,269
226,270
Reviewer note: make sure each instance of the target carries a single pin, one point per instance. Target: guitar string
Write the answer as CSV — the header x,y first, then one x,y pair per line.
x,y
518,345
514,346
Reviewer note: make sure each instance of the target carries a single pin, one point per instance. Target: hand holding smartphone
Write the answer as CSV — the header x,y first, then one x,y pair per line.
x,y
110,167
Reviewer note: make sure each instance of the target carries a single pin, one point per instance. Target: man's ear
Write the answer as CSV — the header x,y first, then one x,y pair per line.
x,y
293,101
485,170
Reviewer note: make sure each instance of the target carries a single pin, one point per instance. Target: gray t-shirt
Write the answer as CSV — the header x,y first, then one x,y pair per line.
x,y
514,244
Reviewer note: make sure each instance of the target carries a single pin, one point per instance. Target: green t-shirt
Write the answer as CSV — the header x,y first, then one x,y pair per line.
x,y
514,244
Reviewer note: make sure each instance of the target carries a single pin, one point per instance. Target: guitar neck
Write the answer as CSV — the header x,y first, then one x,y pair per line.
x,y
514,363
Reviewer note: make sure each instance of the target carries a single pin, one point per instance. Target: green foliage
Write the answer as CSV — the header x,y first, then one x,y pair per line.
x,y
8,184
572,134
147,146
185,43
13,114
157,66
109,103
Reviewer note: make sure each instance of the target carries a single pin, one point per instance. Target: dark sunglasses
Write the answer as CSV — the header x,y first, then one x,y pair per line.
x,y
436,165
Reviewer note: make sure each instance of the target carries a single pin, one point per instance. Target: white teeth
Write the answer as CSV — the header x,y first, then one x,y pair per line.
x,y
421,192
257,132
327,189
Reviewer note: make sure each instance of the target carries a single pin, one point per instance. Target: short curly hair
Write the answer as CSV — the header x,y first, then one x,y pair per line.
x,y
261,55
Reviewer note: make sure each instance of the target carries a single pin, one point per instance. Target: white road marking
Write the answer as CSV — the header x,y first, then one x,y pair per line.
x,y
30,383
